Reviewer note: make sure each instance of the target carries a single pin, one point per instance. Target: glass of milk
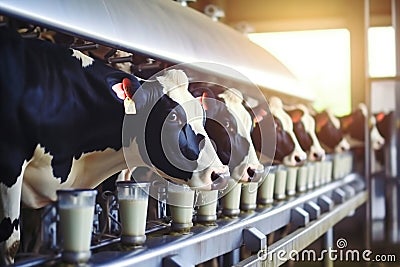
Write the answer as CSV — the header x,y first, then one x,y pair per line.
x,y
291,181
248,197
280,183
180,199
206,202
133,200
318,173
310,175
302,175
231,198
76,211
265,193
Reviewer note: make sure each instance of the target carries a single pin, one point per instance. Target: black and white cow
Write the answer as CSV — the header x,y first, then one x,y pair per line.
x,y
329,133
352,126
229,125
63,127
304,129
288,150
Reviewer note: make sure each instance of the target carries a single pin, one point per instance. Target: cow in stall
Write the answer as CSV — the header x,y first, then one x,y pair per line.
x,y
229,124
66,128
288,150
304,129
331,137
352,126
342,133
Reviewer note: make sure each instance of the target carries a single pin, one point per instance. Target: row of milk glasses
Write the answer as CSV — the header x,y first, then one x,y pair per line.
x,y
76,207
76,212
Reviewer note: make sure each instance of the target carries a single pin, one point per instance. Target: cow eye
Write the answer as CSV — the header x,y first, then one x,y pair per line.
x,y
227,124
173,117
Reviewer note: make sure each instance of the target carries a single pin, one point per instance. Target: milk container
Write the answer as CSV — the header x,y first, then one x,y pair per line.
x,y
180,199
248,197
76,211
133,201
207,206
231,198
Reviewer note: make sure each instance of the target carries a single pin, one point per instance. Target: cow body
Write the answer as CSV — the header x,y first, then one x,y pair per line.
x,y
65,127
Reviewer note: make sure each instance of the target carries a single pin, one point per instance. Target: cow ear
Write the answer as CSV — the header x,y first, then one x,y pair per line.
x,y
321,120
203,100
119,90
259,114
346,121
296,115
380,116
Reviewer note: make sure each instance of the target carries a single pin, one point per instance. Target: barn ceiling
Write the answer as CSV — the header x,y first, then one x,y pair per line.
x,y
276,15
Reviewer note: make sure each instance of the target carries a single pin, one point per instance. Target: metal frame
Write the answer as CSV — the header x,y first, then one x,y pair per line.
x,y
314,212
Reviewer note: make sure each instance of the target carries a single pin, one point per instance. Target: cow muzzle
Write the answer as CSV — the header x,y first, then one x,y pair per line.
x,y
219,180
253,173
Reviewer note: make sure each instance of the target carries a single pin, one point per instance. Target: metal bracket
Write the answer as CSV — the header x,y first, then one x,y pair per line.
x,y
325,203
299,217
339,196
312,209
349,190
253,239
175,261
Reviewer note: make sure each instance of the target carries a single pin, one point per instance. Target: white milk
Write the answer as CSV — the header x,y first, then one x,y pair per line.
x,y
266,189
302,178
133,214
280,184
184,212
207,202
337,166
248,197
311,175
291,181
329,170
231,200
318,174
76,228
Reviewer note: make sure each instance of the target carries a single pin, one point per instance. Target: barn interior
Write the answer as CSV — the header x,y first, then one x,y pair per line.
x,y
251,45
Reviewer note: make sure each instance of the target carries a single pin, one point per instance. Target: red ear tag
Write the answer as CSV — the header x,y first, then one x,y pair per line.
x,y
129,104
380,116
203,101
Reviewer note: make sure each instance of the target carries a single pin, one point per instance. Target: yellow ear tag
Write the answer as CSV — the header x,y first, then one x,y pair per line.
x,y
129,105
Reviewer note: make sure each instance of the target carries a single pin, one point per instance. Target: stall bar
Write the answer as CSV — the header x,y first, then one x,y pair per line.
x,y
160,29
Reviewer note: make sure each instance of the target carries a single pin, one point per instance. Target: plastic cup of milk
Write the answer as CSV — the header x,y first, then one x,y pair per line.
x,y
248,197
265,193
180,199
133,199
280,183
318,174
76,211
311,175
206,202
231,198
302,174
291,181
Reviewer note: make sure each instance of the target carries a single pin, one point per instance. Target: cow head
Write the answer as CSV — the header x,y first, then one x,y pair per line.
x,y
174,139
304,129
329,132
229,125
384,124
288,150
352,126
